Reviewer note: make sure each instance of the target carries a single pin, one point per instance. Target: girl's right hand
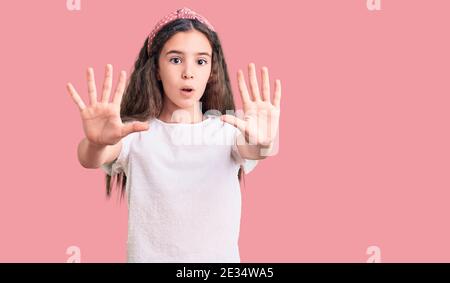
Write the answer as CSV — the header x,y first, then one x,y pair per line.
x,y
101,120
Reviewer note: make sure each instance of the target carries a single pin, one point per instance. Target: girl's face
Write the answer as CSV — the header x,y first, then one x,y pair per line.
x,y
185,63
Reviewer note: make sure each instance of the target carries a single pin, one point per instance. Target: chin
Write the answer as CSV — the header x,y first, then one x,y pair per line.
x,y
186,102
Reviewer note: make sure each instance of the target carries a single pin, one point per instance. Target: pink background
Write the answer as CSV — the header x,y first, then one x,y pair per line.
x,y
364,136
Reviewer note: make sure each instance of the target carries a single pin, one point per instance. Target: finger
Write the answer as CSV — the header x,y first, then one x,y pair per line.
x,y
120,88
265,84
76,98
92,89
277,96
132,127
107,85
243,87
233,120
253,82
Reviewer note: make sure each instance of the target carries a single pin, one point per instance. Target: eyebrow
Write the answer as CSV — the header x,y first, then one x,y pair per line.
x,y
180,52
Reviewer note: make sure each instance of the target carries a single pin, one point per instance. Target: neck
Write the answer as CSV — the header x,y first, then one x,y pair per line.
x,y
173,114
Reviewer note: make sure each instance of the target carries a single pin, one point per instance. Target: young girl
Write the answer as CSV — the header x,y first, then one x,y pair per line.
x,y
168,146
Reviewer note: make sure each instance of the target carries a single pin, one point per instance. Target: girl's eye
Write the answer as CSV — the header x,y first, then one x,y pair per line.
x,y
178,60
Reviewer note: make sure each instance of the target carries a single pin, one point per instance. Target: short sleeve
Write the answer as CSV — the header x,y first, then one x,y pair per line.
x,y
120,164
248,164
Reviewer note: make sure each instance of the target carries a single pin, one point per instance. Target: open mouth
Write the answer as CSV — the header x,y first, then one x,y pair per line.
x,y
187,89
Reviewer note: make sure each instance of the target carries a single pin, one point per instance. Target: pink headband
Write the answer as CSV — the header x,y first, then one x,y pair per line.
x,y
184,13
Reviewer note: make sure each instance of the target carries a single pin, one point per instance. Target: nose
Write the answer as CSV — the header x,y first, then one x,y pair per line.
x,y
187,75
187,72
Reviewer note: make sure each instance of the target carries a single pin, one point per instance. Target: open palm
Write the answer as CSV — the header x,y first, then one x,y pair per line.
x,y
101,120
260,121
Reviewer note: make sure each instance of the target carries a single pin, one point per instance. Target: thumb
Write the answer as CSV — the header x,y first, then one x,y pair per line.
x,y
235,121
132,127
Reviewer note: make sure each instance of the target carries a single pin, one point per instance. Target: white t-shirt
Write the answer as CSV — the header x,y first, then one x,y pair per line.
x,y
184,198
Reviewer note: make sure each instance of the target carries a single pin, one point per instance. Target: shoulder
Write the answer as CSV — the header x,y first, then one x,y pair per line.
x,y
218,123
138,136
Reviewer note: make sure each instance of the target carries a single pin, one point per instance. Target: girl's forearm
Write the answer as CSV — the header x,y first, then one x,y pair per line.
x,y
90,155
253,152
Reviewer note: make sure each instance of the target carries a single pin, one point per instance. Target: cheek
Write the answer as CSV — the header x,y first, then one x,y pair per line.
x,y
168,79
206,75
166,72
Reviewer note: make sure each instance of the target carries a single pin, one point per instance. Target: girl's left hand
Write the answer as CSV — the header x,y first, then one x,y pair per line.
x,y
261,116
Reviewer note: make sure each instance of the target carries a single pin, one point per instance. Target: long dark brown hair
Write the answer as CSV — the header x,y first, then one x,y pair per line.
x,y
143,97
